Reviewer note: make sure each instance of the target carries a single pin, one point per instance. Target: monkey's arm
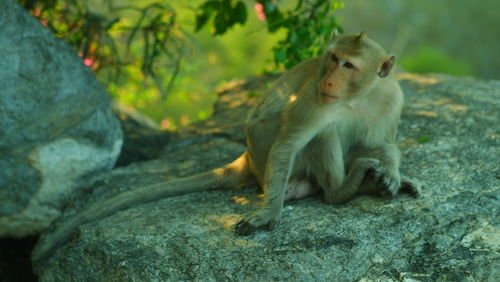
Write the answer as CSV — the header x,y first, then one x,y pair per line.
x,y
301,120
278,169
230,175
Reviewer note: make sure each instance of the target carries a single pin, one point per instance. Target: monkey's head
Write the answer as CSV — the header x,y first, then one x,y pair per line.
x,y
350,67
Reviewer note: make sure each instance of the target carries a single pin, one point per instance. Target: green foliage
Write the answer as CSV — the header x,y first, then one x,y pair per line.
x,y
224,15
308,25
433,60
111,41
147,51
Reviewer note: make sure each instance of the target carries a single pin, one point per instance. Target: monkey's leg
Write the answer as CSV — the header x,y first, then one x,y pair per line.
x,y
326,163
383,178
352,183
381,167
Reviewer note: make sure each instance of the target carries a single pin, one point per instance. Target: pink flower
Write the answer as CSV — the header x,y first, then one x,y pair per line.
x,y
88,62
165,124
184,119
259,10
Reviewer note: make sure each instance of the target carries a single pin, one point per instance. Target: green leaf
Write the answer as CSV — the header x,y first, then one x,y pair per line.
x,y
299,5
210,6
279,55
201,20
423,139
269,7
275,21
207,9
226,5
294,38
252,94
240,12
220,23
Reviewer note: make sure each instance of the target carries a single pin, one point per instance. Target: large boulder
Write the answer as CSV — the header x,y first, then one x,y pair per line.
x,y
449,138
57,128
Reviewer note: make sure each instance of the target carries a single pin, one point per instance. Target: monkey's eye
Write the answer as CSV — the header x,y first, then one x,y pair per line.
x,y
348,65
334,58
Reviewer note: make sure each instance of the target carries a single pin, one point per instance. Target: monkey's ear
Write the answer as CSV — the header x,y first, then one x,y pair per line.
x,y
335,34
360,36
386,67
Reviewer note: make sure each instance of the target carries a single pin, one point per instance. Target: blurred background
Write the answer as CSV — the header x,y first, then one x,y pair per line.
x,y
165,59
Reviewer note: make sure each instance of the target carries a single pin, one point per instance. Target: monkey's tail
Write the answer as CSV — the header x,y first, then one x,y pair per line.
x,y
231,175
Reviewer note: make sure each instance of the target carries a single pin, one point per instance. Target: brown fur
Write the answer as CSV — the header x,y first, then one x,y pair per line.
x,y
343,145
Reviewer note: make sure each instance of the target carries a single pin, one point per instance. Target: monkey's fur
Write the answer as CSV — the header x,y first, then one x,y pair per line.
x,y
328,123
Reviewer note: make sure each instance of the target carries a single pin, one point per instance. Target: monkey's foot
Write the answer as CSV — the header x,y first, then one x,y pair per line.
x,y
410,186
390,182
257,221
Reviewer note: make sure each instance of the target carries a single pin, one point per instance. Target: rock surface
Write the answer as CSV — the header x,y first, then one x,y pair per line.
x,y
142,139
450,139
57,128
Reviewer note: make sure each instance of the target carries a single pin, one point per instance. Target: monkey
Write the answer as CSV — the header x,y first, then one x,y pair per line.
x,y
336,125
328,124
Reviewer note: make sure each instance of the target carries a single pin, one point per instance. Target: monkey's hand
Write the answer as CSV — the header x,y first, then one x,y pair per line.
x,y
262,219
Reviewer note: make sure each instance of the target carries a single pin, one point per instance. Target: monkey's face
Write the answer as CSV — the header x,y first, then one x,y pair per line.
x,y
350,66
337,74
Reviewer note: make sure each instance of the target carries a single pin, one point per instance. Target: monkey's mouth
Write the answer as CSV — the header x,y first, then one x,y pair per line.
x,y
329,96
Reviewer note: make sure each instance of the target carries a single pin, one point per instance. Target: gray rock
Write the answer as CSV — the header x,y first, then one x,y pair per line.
x,y
57,127
142,138
450,139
